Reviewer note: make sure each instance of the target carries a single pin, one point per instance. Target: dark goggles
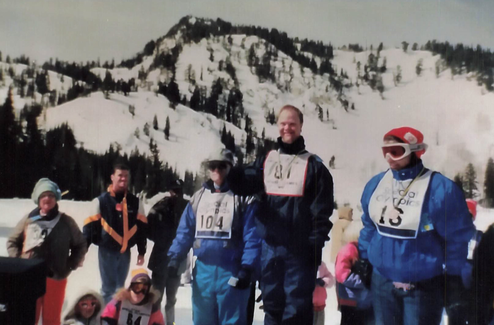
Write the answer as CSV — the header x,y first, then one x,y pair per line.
x,y
220,165
139,287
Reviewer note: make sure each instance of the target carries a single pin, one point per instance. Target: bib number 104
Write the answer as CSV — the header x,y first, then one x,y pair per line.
x,y
207,222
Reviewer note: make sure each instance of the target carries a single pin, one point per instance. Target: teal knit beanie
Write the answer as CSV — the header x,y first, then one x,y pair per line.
x,y
45,185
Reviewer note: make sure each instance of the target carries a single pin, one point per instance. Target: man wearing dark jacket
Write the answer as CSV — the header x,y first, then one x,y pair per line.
x,y
163,220
296,194
116,224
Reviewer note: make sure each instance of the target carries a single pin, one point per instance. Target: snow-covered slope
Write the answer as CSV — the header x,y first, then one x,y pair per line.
x,y
455,114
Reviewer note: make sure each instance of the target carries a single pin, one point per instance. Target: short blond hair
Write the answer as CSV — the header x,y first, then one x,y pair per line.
x,y
294,109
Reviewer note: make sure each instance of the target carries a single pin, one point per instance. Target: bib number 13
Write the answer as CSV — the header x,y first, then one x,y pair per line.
x,y
207,222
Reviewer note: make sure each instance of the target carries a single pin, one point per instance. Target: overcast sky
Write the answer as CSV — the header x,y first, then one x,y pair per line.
x,y
81,30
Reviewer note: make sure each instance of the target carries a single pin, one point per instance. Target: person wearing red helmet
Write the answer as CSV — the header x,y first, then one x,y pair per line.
x,y
408,213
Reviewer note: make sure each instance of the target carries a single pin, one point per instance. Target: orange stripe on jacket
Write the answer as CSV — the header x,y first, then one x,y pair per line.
x,y
125,224
127,234
111,231
90,219
142,218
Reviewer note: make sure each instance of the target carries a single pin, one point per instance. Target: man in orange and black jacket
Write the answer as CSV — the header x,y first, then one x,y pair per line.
x,y
116,224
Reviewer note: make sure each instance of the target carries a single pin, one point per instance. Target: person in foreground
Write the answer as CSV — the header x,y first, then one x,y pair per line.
x,y
163,220
86,310
296,199
53,236
117,223
415,236
221,229
135,305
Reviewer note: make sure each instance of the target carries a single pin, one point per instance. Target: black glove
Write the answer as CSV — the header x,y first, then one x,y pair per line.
x,y
173,272
364,269
244,278
320,282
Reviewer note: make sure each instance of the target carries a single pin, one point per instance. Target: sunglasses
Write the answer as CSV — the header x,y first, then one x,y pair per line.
x,y
89,303
217,165
397,151
139,287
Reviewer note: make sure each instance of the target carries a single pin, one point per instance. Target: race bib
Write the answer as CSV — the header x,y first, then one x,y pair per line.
x,y
284,175
214,216
134,314
395,213
36,232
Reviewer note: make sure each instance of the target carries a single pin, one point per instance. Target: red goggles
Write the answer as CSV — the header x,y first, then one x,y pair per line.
x,y
397,151
87,303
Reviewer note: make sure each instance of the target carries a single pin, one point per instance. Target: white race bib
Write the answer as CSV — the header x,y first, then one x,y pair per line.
x,y
214,215
404,220
133,314
36,232
285,175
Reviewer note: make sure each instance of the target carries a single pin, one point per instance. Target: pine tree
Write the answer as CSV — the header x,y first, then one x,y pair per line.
x,y
404,46
320,113
167,128
145,129
9,140
380,48
418,68
108,84
470,182
42,82
397,76
155,123
195,99
458,179
489,184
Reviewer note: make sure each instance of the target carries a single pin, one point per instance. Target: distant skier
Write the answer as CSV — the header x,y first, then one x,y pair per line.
x,y
415,236
220,227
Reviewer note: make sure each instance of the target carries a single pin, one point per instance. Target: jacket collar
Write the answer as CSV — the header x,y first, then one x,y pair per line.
x,y
119,196
292,148
409,172
210,186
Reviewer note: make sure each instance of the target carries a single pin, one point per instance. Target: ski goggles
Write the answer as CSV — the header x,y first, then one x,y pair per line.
x,y
87,303
220,165
397,151
139,287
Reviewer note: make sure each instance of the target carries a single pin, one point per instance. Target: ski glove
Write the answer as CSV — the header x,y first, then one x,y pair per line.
x,y
364,269
320,282
244,278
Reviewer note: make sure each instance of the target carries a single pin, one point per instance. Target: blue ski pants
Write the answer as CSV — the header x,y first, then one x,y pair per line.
x,y
214,301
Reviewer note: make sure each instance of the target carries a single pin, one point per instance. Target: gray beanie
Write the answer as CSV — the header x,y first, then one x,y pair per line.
x,y
45,185
222,155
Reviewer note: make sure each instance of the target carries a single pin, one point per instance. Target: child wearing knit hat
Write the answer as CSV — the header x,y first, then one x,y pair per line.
x,y
137,302
54,236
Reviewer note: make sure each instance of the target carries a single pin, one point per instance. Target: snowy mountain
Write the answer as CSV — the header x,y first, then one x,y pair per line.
x,y
223,78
